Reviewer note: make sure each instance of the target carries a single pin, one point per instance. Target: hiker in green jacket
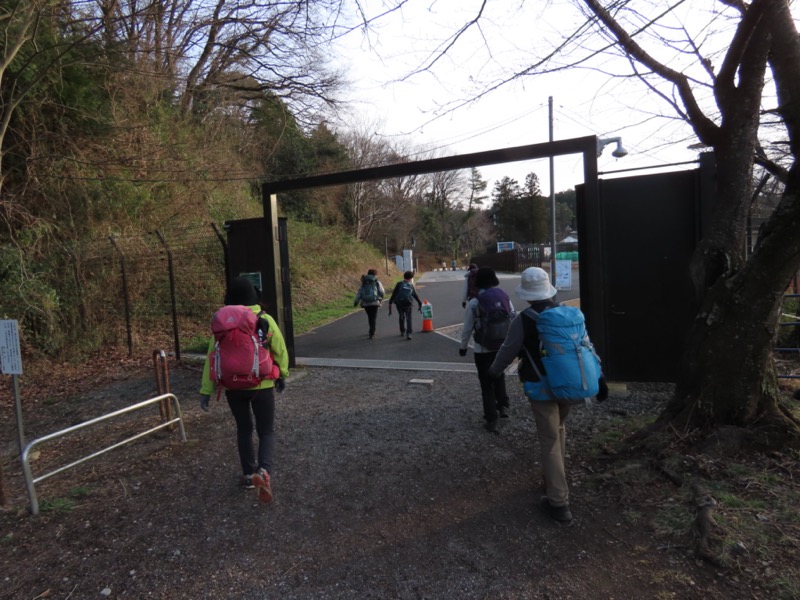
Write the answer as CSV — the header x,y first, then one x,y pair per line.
x,y
258,402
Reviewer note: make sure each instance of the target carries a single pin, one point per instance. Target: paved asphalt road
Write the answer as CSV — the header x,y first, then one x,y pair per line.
x,y
345,341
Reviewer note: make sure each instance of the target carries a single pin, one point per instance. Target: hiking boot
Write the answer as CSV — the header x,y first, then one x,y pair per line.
x,y
503,412
491,426
262,484
561,514
246,482
408,337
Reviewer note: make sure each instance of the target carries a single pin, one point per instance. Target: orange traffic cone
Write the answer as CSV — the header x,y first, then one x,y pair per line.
x,y
427,316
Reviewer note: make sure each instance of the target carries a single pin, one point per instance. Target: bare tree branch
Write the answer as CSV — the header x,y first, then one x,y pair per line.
x,y
706,129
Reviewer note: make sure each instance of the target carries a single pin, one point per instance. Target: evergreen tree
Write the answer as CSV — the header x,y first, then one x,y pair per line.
x,y
505,195
536,211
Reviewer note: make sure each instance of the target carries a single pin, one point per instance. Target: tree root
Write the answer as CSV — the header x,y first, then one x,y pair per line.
x,y
671,475
705,525
787,412
776,429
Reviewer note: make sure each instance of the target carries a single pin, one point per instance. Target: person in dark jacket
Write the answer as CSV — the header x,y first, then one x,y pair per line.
x,y
370,295
493,389
403,295
470,289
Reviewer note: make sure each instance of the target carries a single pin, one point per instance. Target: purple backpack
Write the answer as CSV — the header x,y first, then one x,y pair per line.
x,y
493,318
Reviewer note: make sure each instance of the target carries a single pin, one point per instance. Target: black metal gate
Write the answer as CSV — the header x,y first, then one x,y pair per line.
x,y
251,253
649,226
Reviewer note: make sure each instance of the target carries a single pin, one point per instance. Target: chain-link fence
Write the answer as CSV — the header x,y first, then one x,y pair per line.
x,y
157,289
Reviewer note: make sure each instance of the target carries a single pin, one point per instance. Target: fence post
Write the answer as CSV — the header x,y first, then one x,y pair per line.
x,y
125,294
79,288
173,301
162,383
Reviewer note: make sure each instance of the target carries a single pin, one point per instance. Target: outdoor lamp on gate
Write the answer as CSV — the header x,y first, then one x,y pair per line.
x,y
618,152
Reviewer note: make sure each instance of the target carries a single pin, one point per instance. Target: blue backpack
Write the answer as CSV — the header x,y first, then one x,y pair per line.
x,y
571,365
369,289
404,294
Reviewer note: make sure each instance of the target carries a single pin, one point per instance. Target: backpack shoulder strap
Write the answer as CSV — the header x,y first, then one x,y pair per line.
x,y
476,313
531,313
533,316
263,325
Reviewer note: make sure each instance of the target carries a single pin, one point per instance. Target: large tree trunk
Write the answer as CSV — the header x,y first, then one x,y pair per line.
x,y
728,376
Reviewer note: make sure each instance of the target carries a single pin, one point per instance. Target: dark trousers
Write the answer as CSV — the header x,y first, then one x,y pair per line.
x,y
372,315
404,316
244,405
493,390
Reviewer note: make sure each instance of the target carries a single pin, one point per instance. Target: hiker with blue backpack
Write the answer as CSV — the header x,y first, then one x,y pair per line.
x,y
403,296
370,295
487,318
247,357
558,368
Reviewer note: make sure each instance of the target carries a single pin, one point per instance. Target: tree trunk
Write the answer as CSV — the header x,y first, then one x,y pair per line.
x,y
728,376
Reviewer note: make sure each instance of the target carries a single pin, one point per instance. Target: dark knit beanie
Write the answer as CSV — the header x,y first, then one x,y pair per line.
x,y
241,291
486,278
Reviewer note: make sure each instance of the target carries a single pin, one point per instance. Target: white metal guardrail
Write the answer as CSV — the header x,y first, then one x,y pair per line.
x,y
789,324
31,481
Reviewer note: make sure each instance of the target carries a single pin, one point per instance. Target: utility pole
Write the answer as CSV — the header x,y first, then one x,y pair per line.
x,y
552,200
386,251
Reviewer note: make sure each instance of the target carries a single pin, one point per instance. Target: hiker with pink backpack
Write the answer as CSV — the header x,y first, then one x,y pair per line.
x,y
247,357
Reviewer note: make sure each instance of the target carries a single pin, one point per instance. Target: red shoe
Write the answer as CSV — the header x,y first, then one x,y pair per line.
x,y
262,484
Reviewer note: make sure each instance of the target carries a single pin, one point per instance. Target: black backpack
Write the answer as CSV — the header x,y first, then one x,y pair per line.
x,y
492,318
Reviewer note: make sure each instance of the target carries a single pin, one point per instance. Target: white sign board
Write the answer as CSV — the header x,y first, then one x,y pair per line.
x,y
505,246
10,355
408,260
563,274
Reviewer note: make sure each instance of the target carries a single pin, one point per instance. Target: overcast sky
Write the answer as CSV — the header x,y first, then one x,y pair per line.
x,y
424,110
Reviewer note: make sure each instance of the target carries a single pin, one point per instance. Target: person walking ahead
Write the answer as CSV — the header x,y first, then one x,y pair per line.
x,y
403,295
370,295
258,402
550,415
487,318
470,288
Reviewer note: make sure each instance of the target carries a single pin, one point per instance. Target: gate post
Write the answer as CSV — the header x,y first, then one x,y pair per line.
x,y
173,301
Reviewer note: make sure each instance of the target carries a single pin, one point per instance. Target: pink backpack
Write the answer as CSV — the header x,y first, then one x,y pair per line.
x,y
239,361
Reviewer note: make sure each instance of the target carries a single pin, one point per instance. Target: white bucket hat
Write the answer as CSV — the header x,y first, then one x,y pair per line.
x,y
535,285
